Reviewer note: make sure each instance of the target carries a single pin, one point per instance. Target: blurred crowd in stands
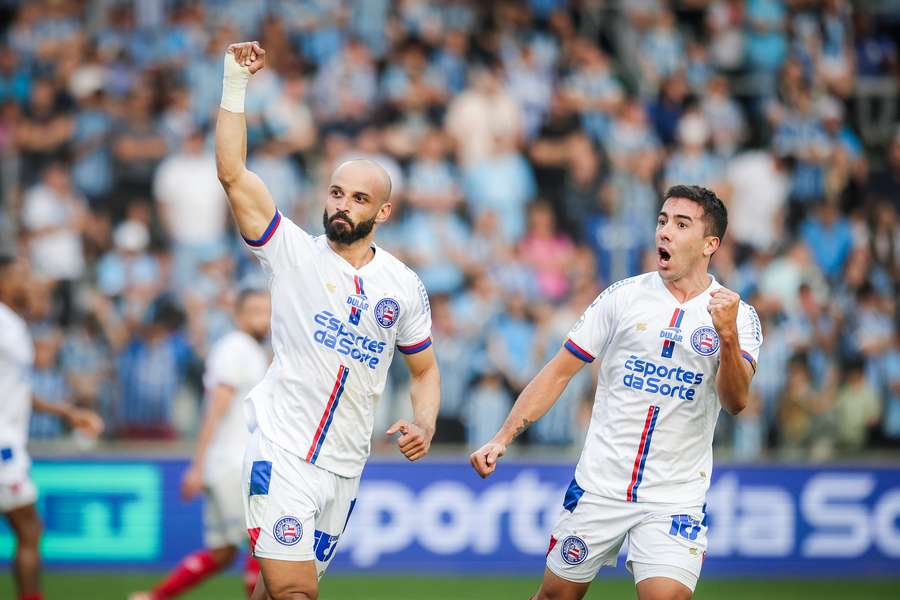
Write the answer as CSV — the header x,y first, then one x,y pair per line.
x,y
529,143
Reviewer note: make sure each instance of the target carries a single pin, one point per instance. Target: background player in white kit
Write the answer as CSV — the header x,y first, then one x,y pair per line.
x,y
18,494
236,363
340,306
674,345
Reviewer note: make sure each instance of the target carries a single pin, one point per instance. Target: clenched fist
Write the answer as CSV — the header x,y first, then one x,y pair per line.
x,y
484,460
723,308
414,441
248,54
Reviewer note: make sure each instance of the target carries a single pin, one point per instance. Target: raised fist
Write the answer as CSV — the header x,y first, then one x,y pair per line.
x,y
248,54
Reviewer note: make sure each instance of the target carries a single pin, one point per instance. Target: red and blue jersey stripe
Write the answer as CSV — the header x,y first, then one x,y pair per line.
x,y
669,345
267,234
637,473
328,416
412,349
356,313
578,351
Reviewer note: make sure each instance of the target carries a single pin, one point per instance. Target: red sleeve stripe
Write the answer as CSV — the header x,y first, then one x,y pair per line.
x,y
415,347
267,234
578,351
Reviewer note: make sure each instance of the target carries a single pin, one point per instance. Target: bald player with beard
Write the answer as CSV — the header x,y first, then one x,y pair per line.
x,y
341,306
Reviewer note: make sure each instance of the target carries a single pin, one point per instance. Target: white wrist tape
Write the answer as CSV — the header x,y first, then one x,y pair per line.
x,y
234,85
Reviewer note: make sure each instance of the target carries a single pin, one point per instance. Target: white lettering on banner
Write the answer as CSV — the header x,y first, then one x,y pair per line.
x,y
884,523
378,535
447,517
766,527
832,503
440,535
750,521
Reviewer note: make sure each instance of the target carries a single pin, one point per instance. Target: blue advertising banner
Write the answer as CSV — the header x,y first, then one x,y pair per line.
x,y
439,517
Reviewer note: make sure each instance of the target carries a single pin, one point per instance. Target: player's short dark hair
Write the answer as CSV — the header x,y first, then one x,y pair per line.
x,y
715,215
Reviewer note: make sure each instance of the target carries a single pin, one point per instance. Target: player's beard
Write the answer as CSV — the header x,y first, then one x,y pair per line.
x,y
350,232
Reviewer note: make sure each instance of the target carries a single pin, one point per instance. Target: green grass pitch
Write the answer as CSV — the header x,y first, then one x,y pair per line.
x,y
101,586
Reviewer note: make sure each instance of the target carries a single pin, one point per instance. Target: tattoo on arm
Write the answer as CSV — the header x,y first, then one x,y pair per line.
x,y
521,428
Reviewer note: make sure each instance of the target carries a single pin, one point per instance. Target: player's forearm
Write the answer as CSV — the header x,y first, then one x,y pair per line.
x,y
231,146
63,411
425,392
733,379
533,403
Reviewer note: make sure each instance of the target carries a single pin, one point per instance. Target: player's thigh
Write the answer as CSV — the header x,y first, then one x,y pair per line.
x,y
333,519
588,536
280,502
25,523
666,550
663,586
554,587
288,579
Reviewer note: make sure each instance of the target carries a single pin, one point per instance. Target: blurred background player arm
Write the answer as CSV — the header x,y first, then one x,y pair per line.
x,y
250,201
82,419
425,392
534,401
220,398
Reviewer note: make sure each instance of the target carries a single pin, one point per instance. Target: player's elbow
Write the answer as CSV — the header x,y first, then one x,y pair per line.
x,y
228,177
734,406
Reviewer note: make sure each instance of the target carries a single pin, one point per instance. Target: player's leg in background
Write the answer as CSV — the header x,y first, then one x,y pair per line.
x,y
554,587
286,580
662,588
191,571
26,525
251,575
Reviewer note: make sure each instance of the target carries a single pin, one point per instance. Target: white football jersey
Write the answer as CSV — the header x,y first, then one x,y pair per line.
x,y
334,330
656,406
240,362
16,360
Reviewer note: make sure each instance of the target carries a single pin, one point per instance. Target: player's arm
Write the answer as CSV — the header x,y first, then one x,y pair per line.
x,y
736,368
250,201
425,391
534,401
220,398
82,419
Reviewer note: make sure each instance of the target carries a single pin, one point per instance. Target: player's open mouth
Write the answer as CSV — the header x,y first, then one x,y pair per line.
x,y
664,256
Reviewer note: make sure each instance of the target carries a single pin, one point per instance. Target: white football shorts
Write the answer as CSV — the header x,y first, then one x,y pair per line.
x,y
664,540
294,510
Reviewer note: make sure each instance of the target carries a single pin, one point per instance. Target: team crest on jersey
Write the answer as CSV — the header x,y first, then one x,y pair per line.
x,y
288,530
705,341
387,311
574,551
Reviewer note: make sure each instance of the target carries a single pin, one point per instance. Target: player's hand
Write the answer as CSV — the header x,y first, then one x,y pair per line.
x,y
484,460
191,483
86,421
248,54
723,308
414,440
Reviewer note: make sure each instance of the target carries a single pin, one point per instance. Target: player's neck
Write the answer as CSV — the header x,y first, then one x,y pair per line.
x,y
358,254
688,287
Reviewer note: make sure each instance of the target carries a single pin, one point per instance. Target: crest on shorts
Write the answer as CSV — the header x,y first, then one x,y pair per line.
x,y
387,311
288,530
573,549
705,341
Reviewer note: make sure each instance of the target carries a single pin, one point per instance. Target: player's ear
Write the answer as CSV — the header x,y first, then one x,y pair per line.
x,y
384,213
711,244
